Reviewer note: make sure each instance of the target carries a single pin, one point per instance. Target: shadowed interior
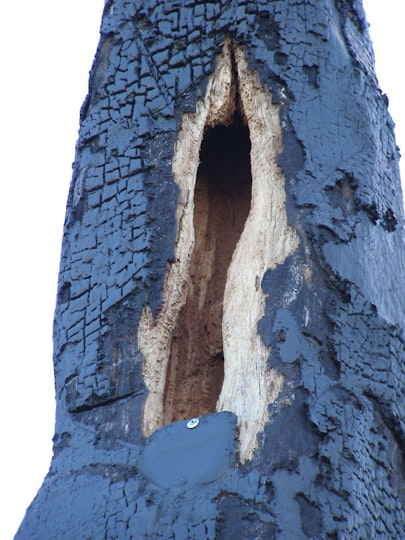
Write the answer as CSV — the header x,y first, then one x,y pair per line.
x,y
222,200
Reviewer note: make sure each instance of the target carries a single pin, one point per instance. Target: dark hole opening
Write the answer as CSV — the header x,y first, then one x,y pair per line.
x,y
222,201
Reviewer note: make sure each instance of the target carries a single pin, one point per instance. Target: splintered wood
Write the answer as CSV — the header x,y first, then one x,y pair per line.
x,y
202,353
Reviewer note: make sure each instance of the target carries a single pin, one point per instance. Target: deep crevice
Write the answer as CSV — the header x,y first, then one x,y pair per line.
x,y
103,402
222,200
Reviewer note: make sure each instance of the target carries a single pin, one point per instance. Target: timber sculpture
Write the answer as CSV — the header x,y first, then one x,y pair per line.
x,y
229,330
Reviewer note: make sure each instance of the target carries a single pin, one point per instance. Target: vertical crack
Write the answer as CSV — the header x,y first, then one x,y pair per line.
x,y
222,199
202,352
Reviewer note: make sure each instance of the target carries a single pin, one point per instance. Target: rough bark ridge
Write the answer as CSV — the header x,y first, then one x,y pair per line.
x,y
327,458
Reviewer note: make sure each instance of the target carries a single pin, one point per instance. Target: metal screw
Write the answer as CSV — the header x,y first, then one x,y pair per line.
x,y
193,423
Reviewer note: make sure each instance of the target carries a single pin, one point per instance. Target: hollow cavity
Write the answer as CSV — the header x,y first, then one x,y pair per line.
x,y
222,200
202,352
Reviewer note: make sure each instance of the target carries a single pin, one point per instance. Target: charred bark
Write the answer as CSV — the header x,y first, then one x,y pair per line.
x,y
233,251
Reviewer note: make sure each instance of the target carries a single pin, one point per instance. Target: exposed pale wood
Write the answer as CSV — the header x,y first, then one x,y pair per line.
x,y
154,336
249,385
266,240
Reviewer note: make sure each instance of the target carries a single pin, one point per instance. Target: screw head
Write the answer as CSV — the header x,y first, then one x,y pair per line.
x,y
193,423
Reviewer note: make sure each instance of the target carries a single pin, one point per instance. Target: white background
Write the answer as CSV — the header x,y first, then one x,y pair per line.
x,y
47,48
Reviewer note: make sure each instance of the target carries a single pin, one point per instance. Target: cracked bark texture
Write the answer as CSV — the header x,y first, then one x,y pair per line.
x,y
330,461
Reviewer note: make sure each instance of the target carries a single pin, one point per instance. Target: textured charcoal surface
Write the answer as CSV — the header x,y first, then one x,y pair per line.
x,y
331,462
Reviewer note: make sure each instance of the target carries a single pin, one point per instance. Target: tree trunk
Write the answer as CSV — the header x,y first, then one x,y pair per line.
x,y
233,254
